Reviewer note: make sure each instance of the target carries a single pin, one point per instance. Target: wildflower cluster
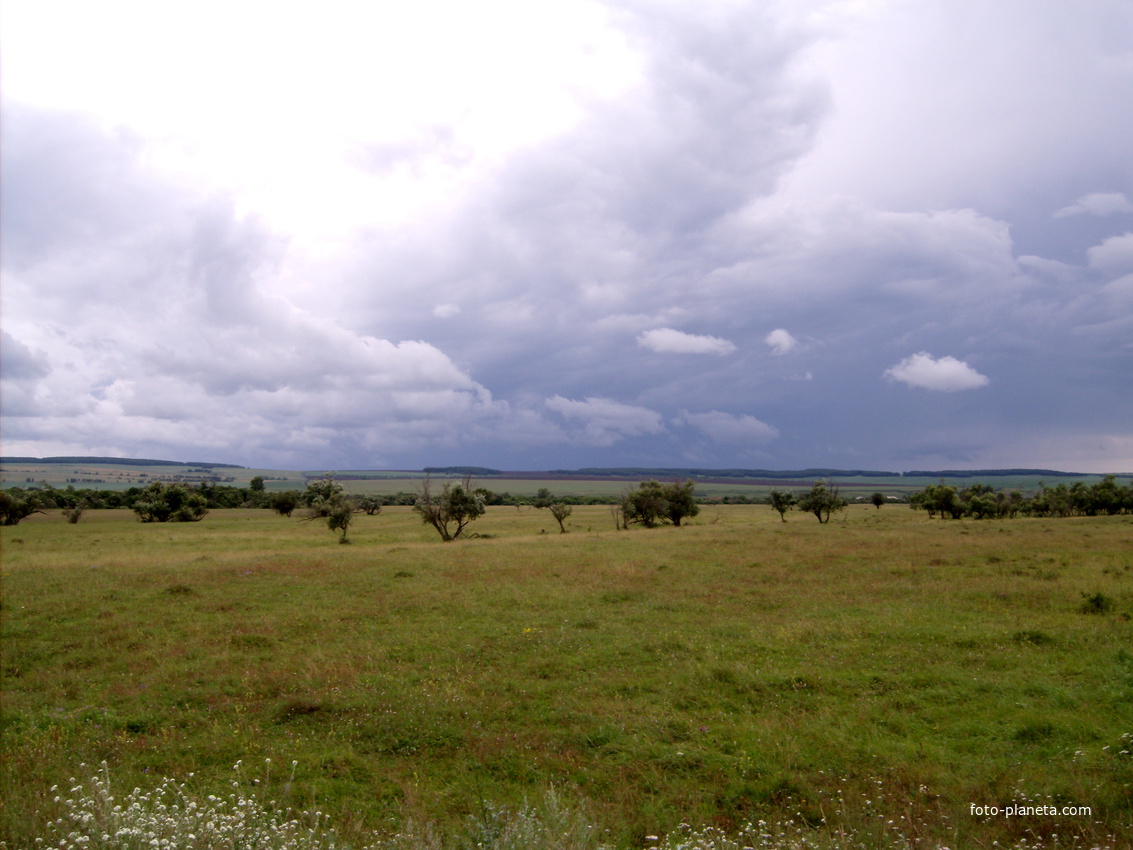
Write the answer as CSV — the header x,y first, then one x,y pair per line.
x,y
793,836
170,818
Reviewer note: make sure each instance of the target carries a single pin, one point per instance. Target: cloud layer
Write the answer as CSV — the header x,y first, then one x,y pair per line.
x,y
574,233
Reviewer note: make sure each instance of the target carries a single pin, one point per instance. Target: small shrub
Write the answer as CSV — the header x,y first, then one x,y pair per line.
x,y
1033,637
1098,603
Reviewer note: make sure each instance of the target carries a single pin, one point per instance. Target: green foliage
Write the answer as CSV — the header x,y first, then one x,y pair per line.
x,y
1097,603
821,501
450,511
782,501
560,512
980,501
369,505
170,503
15,506
326,499
877,500
653,503
285,502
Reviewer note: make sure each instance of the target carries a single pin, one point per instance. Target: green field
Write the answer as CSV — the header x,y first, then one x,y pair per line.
x,y
874,677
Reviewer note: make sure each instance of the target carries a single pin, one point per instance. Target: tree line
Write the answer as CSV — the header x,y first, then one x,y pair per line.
x,y
450,510
979,501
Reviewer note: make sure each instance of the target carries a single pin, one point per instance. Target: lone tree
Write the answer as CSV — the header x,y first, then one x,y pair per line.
x,y
369,505
284,502
782,501
653,503
560,512
544,500
450,510
877,500
325,499
170,503
681,501
821,501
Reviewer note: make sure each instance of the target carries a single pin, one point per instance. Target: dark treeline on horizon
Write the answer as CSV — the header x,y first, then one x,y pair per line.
x,y
122,461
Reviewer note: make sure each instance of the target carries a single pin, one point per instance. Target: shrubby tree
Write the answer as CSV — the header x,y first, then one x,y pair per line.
x,y
877,500
560,512
681,501
544,500
369,505
645,505
821,501
16,505
326,499
170,503
782,501
284,502
653,503
74,513
450,511
938,499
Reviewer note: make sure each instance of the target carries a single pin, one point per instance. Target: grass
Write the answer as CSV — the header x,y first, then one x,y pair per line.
x,y
885,668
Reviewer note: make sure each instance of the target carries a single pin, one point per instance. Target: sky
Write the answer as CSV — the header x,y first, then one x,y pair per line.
x,y
779,234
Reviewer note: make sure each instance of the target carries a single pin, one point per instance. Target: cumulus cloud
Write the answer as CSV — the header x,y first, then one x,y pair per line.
x,y
669,341
1099,204
730,427
605,421
19,362
1114,255
478,268
780,341
946,374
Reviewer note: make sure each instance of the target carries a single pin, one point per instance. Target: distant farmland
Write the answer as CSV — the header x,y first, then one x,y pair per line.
x,y
121,474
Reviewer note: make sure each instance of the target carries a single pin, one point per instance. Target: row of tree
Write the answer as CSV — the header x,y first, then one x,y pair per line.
x,y
1106,497
457,504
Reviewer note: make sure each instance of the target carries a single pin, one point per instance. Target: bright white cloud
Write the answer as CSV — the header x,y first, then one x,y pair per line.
x,y
669,341
946,374
780,341
730,427
1097,203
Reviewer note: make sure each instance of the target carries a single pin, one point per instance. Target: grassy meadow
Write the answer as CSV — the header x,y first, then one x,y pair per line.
x,y
876,677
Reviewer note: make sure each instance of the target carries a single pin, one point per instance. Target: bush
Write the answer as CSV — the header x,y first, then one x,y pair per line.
x,y
452,510
170,503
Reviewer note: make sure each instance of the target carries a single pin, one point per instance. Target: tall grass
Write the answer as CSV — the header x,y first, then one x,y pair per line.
x,y
884,668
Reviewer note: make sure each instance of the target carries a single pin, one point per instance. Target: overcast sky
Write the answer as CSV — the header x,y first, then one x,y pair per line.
x,y
883,234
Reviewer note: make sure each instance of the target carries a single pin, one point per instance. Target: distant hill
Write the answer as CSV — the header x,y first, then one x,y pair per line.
x,y
461,470
989,473
646,472
121,461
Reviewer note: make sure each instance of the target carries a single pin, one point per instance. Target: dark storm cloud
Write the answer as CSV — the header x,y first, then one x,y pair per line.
x,y
785,239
